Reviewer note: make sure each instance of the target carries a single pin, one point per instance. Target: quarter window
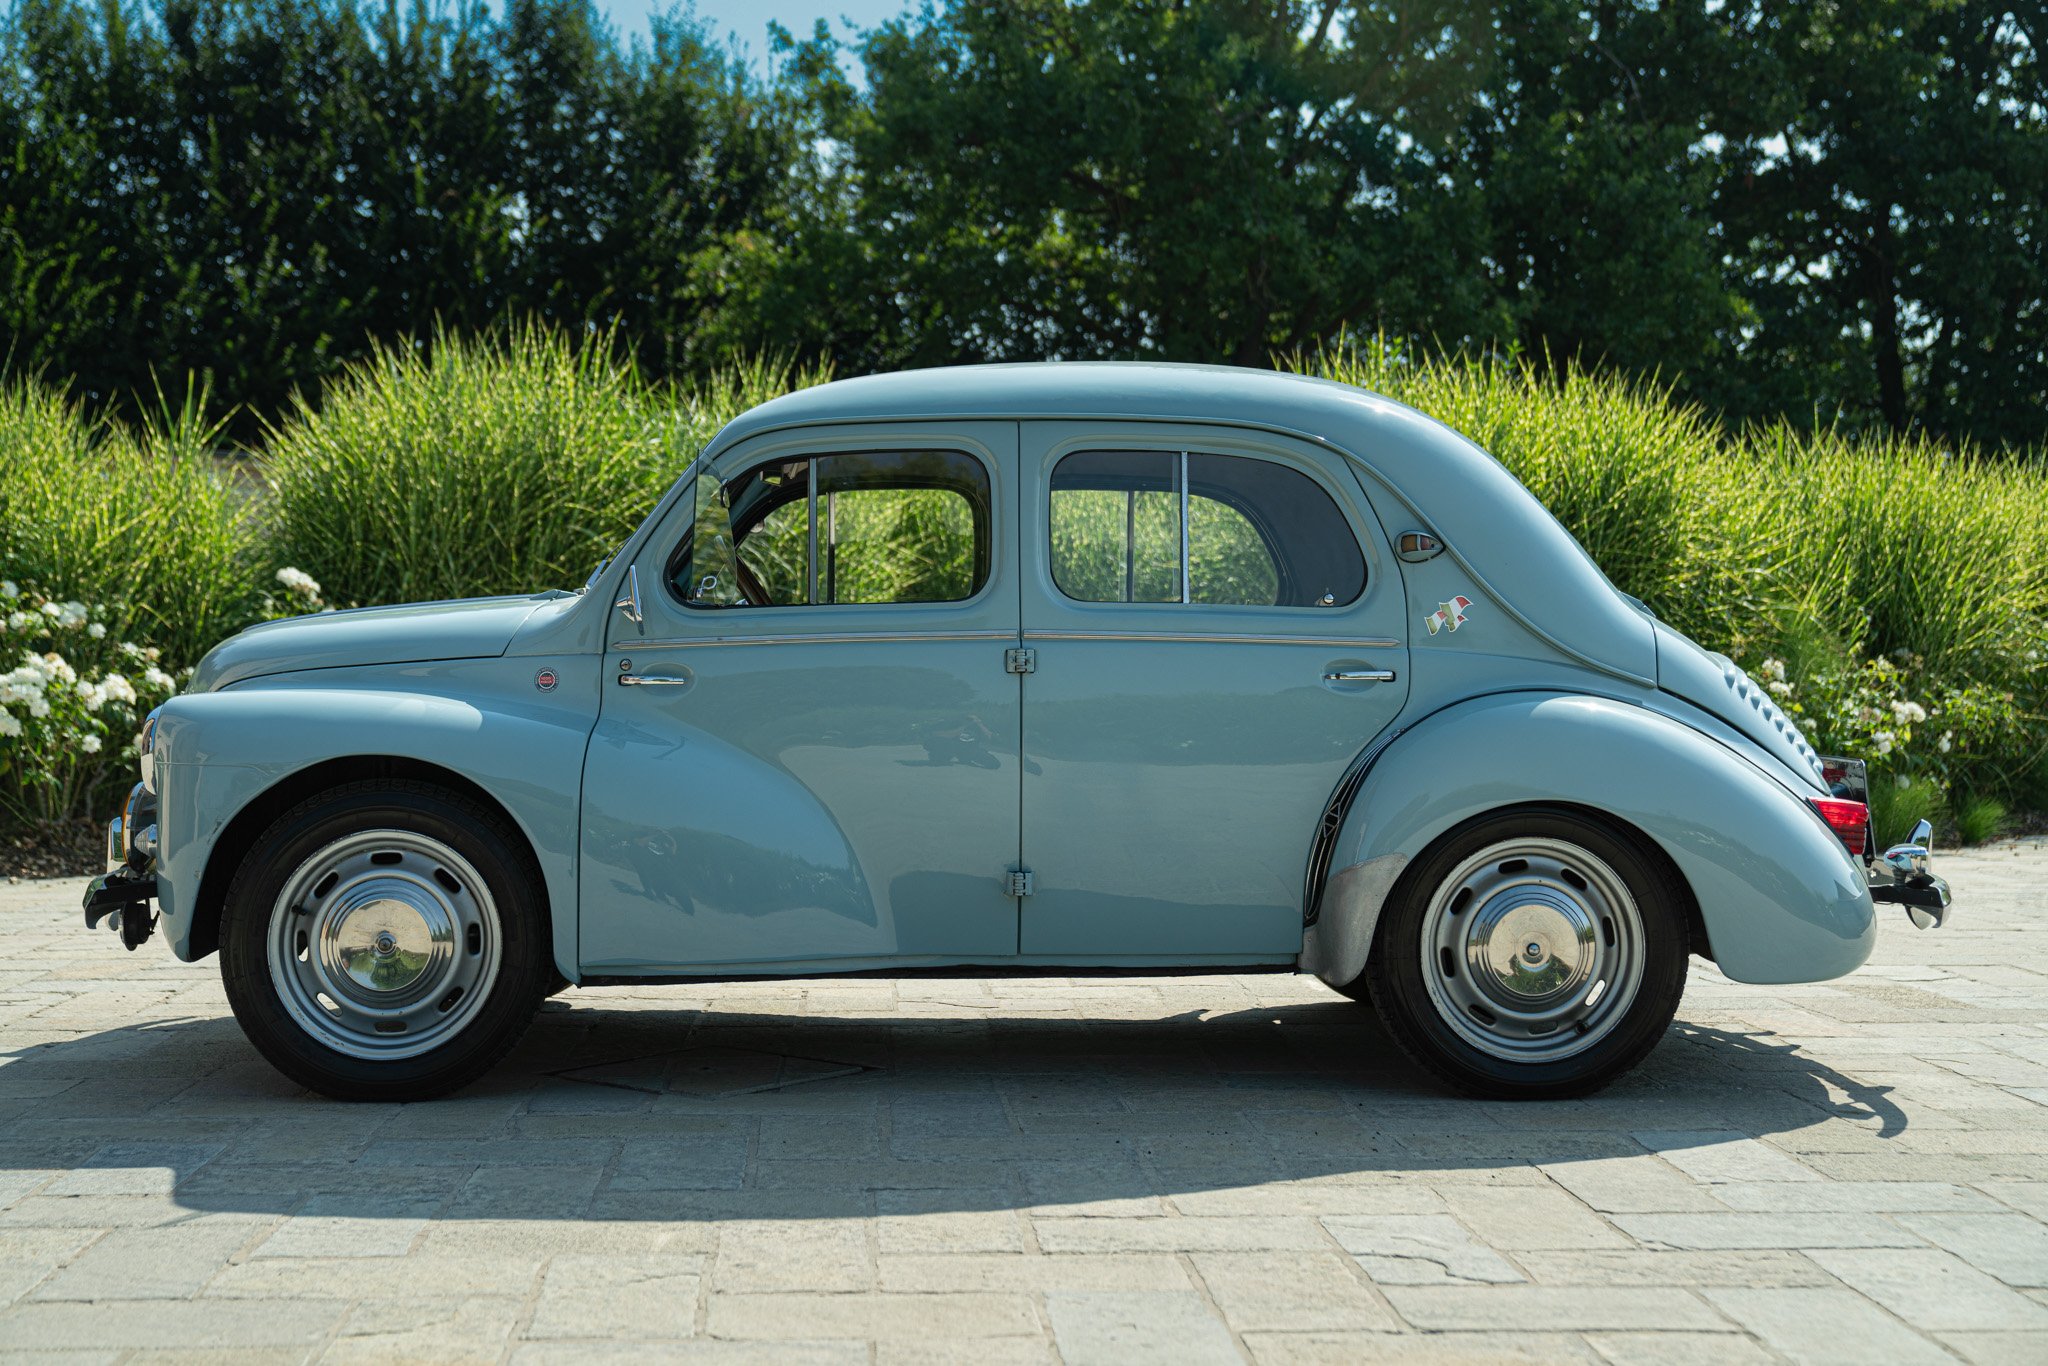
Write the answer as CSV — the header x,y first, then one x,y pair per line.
x,y
871,527
1189,527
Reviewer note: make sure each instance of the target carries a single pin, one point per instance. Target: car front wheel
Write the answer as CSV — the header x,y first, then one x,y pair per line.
x,y
385,941
1531,954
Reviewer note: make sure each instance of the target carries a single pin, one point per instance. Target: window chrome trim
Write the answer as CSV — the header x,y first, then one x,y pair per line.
x,y
815,638
1186,551
1224,638
811,523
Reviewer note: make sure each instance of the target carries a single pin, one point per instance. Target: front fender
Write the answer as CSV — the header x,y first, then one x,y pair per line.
x,y
230,752
1782,900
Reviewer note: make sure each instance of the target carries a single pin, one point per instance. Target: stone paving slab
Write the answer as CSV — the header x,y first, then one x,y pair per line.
x,y
1222,1168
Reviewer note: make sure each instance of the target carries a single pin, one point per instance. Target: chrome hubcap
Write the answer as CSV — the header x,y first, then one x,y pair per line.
x,y
1532,950
384,944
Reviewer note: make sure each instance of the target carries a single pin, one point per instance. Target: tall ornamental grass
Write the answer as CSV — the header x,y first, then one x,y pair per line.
x,y
464,468
145,525
473,466
1903,546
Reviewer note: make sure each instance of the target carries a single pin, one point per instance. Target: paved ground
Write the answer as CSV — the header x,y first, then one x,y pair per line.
x,y
998,1170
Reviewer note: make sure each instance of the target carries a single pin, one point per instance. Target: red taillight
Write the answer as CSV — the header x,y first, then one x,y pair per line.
x,y
1849,820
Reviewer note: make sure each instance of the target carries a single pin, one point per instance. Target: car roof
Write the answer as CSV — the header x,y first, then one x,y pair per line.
x,y
1491,523
1133,390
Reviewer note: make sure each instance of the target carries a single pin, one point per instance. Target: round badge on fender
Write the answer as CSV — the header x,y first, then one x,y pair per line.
x,y
545,680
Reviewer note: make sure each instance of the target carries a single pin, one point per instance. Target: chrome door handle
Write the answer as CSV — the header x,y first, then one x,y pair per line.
x,y
1359,676
651,681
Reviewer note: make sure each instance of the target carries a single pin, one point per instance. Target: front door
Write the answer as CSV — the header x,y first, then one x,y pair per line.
x,y
807,751
1218,632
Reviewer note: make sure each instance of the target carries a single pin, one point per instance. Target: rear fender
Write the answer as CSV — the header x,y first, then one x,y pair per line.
x,y
1781,899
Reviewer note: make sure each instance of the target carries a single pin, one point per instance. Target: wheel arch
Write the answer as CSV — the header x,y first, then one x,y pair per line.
x,y
1774,896
1699,940
239,835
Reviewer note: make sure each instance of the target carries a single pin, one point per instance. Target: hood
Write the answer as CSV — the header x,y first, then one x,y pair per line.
x,y
473,628
1715,685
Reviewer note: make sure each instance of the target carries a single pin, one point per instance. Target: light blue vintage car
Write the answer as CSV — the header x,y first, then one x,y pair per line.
x,y
1120,667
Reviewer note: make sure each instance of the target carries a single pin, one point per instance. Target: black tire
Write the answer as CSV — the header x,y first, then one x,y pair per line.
x,y
1416,1010
513,906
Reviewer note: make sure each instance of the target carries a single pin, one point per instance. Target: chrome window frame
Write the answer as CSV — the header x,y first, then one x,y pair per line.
x,y
1184,496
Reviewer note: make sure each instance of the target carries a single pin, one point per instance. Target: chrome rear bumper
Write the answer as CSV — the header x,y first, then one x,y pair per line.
x,y
1900,877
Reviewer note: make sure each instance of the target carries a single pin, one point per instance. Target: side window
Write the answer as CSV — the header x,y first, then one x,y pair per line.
x,y
1219,530
872,527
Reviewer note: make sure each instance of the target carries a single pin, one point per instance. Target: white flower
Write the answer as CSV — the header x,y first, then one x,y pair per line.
x,y
1908,712
1902,782
118,689
1773,669
38,707
56,667
97,631
72,615
1809,724
156,680
1947,741
1779,687
90,744
91,696
52,610
299,582
9,589
10,725
1884,740
19,621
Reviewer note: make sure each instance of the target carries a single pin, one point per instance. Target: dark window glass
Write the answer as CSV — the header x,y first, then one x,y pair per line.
x,y
1116,526
1257,534
882,527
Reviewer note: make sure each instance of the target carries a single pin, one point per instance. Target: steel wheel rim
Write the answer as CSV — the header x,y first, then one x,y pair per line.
x,y
384,944
1532,950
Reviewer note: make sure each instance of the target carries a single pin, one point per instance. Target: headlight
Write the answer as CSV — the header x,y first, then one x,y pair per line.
x,y
147,758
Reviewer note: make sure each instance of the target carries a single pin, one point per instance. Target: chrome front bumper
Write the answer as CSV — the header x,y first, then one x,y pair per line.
x,y
1900,876
122,894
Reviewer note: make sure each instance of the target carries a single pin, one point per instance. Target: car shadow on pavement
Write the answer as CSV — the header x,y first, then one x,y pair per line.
x,y
628,1113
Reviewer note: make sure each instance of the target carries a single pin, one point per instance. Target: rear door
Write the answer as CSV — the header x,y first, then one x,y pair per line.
x,y
1217,624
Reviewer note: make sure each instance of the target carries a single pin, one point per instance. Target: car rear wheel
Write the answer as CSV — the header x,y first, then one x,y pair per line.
x,y
1531,954
386,941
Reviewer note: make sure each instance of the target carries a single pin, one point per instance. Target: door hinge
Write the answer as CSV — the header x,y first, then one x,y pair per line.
x,y
1018,884
1020,661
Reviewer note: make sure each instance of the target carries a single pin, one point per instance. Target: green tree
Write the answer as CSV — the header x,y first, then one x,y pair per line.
x,y
1883,205
1585,154
1199,181
257,189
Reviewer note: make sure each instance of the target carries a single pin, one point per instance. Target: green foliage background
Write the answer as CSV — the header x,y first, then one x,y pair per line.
x,y
1753,295
1826,214
1900,589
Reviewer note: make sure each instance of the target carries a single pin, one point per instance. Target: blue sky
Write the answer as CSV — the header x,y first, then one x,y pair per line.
x,y
748,19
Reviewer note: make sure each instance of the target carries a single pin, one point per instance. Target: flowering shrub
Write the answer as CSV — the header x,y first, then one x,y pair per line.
x,y
301,595
71,705
1908,726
